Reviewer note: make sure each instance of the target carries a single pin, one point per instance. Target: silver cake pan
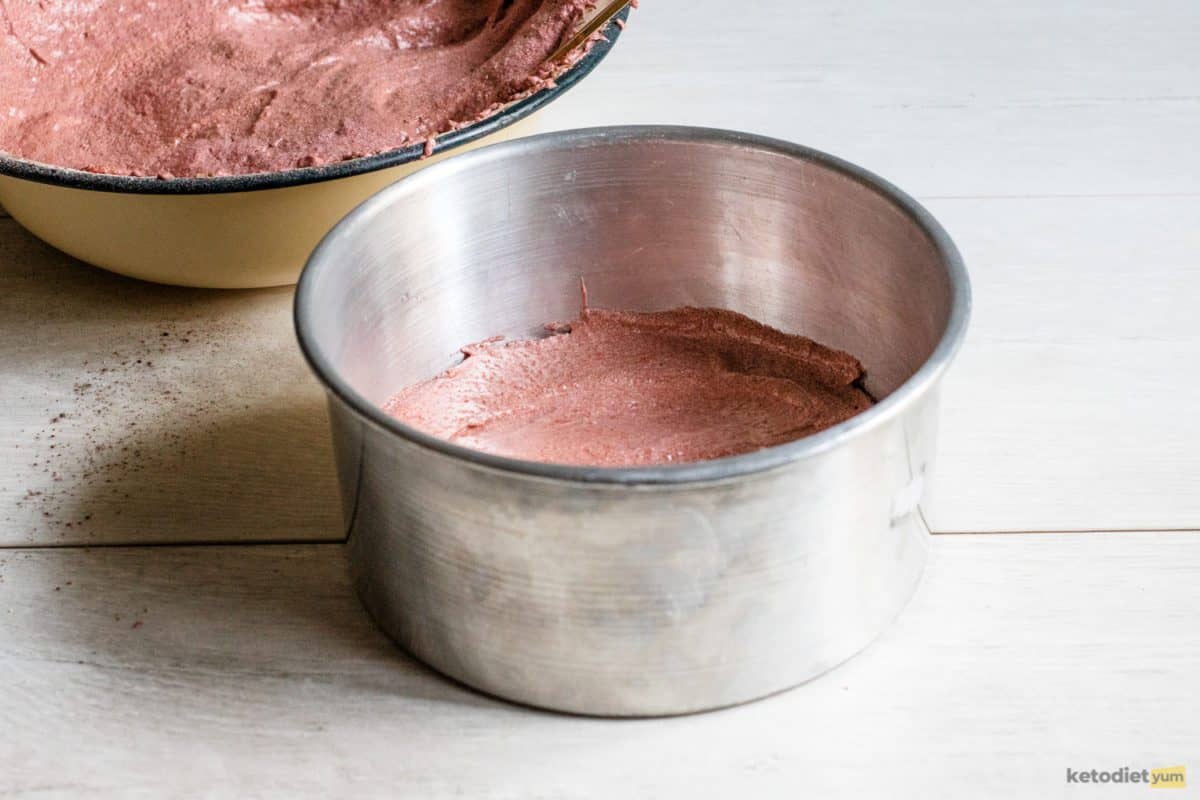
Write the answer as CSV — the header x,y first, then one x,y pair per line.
x,y
640,591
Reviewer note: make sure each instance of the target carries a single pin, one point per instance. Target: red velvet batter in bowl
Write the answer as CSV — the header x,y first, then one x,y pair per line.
x,y
217,87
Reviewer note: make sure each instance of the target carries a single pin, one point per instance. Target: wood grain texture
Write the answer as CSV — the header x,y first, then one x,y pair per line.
x,y
1002,98
136,412
1055,141
1068,407
252,672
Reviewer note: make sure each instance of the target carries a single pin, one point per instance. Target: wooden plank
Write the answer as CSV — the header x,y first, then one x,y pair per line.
x,y
252,671
1082,321
1081,117
135,412
1067,408
1052,141
1012,98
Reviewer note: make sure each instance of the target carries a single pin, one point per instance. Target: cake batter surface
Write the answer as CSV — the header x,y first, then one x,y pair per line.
x,y
619,388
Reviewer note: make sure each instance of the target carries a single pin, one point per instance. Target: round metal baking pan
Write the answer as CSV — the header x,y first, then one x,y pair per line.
x,y
649,590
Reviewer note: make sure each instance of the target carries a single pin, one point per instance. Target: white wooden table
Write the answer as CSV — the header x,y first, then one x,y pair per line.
x,y
175,618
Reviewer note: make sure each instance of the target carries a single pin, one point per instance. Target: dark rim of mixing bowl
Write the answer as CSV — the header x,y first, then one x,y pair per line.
x,y
129,184
325,257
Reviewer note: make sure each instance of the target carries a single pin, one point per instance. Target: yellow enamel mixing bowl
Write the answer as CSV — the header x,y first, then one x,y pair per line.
x,y
238,231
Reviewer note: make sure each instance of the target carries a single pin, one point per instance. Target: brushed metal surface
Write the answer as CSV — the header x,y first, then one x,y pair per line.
x,y
652,590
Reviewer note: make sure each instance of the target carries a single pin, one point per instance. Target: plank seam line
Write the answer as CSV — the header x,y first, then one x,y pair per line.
x,y
182,543
1051,531
325,542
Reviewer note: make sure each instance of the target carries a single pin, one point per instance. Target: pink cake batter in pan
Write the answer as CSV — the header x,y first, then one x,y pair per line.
x,y
619,388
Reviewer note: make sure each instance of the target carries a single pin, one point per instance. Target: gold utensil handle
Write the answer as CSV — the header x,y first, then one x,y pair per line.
x,y
596,23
